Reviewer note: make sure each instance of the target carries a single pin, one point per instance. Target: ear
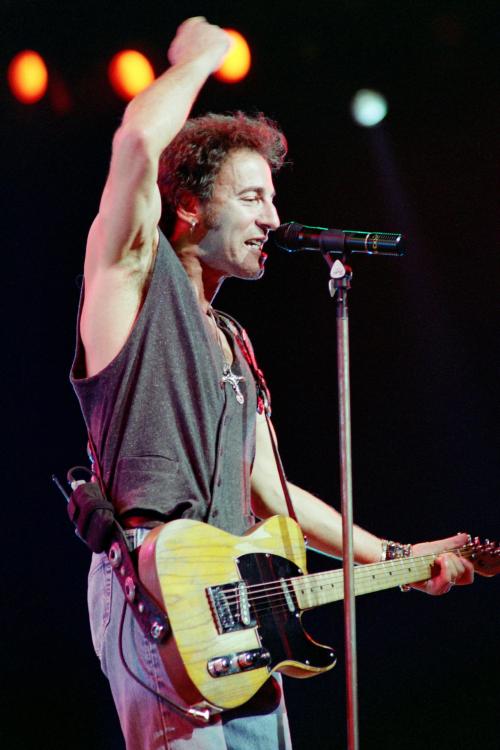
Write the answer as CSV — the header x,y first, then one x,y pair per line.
x,y
188,209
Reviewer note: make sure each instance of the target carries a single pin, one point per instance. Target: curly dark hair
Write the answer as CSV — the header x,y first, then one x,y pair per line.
x,y
192,161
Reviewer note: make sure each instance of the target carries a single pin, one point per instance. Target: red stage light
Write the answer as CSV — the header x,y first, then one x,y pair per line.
x,y
237,62
129,73
28,77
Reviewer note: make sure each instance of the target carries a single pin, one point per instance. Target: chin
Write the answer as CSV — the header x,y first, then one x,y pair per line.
x,y
253,274
249,271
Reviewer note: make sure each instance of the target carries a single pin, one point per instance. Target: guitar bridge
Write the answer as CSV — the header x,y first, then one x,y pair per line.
x,y
230,607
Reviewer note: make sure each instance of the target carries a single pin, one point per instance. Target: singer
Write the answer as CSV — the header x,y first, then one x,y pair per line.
x,y
167,384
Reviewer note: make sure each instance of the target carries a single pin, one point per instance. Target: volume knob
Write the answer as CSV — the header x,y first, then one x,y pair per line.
x,y
246,659
219,666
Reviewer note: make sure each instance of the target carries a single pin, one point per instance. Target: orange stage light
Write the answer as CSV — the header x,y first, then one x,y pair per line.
x,y
237,62
129,73
28,77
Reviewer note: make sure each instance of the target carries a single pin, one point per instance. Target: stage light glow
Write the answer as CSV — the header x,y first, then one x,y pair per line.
x,y
129,73
28,77
368,107
236,63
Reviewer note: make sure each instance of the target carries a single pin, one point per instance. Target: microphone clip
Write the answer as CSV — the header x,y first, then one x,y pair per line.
x,y
340,275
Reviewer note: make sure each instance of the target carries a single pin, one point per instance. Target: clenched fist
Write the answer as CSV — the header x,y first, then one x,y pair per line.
x,y
198,39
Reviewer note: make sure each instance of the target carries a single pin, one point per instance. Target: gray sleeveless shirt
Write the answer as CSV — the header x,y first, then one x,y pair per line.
x,y
170,437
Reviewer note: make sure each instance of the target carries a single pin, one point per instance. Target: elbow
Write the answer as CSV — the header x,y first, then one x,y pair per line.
x,y
258,507
267,503
133,145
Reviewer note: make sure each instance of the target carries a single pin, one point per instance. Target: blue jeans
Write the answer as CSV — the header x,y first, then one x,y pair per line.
x,y
147,722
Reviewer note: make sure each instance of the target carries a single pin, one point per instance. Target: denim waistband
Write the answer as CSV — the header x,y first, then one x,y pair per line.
x,y
135,537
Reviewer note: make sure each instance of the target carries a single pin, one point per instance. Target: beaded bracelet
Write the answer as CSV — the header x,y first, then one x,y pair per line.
x,y
394,551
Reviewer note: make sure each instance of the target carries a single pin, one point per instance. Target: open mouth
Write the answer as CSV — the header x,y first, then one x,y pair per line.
x,y
255,244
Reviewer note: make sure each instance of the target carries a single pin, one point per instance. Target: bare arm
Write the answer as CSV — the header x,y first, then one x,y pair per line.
x,y
322,524
123,236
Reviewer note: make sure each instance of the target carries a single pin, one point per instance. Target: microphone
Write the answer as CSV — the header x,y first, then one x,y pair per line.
x,y
293,237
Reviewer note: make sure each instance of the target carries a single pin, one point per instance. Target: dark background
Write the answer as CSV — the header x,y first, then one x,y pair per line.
x,y
423,340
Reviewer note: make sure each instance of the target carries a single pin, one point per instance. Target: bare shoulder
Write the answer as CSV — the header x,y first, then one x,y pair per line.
x,y
113,298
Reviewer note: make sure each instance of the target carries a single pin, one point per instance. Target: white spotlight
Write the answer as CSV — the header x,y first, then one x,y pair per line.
x,y
368,107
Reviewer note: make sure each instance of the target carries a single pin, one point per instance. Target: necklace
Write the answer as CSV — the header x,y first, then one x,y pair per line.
x,y
228,376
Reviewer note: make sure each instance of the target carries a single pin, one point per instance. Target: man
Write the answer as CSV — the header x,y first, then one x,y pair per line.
x,y
166,392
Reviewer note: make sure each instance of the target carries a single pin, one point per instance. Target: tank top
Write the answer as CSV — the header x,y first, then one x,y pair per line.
x,y
170,436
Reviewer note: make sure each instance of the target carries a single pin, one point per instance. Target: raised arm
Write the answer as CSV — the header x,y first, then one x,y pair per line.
x,y
123,237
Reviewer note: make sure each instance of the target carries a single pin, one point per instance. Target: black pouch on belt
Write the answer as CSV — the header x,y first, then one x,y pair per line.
x,y
93,515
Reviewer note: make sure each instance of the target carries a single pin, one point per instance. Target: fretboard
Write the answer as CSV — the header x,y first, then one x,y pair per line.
x,y
316,589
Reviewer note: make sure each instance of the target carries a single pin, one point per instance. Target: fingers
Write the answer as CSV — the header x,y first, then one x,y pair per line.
x,y
191,21
466,575
451,568
198,39
448,570
455,570
441,545
459,540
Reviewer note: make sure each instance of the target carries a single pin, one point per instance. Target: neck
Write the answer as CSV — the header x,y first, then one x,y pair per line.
x,y
206,282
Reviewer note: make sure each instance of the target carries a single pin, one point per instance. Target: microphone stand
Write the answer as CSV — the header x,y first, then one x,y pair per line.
x,y
339,285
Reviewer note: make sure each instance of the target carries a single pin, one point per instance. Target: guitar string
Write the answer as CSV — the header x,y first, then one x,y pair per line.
x,y
275,598
277,585
305,588
365,571
280,598
266,590
276,601
269,599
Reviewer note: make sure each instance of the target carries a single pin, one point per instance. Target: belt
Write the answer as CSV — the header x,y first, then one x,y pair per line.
x,y
135,537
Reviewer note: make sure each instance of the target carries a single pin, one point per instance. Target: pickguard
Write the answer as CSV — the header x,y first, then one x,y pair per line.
x,y
276,614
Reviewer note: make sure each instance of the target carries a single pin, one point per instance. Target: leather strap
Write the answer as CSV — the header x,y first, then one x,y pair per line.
x,y
263,401
151,618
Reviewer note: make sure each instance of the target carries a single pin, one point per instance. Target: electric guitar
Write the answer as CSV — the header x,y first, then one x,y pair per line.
x,y
235,603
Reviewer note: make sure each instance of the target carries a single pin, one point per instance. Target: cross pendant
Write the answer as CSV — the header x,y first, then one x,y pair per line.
x,y
234,381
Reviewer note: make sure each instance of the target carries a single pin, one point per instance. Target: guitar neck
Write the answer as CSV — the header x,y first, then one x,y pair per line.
x,y
316,589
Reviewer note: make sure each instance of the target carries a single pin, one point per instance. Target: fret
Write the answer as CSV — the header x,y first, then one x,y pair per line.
x,y
323,588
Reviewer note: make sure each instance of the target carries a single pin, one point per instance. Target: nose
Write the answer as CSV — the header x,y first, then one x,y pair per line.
x,y
269,218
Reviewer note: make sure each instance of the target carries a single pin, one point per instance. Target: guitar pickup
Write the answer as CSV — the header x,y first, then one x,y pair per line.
x,y
220,666
230,607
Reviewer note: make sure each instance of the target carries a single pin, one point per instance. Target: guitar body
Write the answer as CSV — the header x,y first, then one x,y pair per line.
x,y
232,608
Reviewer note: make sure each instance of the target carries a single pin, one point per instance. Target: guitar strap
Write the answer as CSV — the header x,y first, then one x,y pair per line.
x,y
93,515
263,400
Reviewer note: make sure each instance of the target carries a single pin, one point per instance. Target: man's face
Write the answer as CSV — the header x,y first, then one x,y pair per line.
x,y
238,217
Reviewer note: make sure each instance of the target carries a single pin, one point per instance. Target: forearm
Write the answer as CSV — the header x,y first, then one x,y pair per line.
x,y
321,523
160,111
